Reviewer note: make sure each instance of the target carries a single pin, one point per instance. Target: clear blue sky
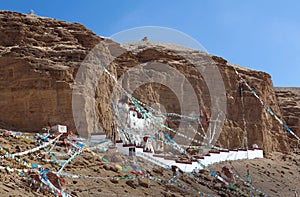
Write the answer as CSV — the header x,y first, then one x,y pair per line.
x,y
259,34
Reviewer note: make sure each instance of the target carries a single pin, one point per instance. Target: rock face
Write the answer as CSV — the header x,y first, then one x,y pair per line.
x,y
262,128
39,59
289,103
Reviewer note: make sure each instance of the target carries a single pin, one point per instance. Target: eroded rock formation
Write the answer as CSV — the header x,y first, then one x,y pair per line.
x,y
289,103
39,59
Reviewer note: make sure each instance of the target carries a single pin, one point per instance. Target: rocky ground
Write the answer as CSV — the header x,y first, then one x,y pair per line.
x,y
275,175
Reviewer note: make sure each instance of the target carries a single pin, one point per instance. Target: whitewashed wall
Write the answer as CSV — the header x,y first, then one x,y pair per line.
x,y
208,160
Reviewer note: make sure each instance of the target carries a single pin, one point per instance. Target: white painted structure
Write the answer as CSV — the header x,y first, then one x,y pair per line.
x,y
59,128
207,160
132,122
140,127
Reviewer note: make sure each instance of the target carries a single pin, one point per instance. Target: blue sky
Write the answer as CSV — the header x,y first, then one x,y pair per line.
x,y
262,35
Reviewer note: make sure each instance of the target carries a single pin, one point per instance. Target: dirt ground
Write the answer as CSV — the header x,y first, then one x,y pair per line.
x,y
275,175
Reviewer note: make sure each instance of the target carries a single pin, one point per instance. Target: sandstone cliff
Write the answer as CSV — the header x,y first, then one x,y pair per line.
x,y
289,103
261,127
39,58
